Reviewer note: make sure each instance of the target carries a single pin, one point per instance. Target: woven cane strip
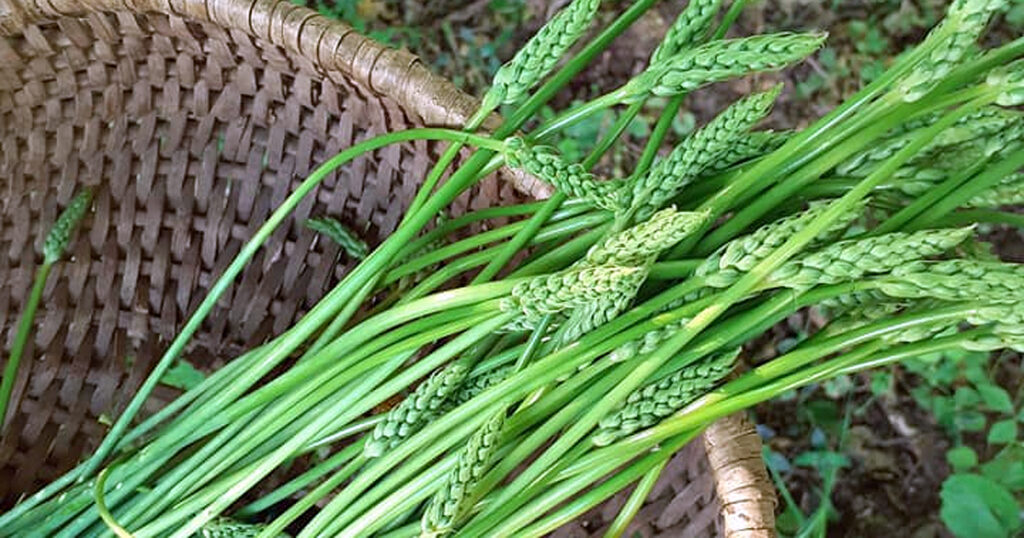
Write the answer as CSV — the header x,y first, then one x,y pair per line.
x,y
189,135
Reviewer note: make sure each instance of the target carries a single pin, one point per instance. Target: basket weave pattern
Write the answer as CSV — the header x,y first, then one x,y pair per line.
x,y
191,121
189,144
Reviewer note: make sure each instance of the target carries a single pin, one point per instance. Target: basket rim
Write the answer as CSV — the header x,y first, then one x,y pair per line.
x,y
330,45
732,444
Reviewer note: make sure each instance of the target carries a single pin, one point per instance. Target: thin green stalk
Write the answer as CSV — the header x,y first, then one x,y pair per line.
x,y
729,18
338,373
904,216
576,114
635,501
749,281
562,255
673,270
445,352
244,256
299,482
353,428
101,506
21,338
550,231
534,342
508,250
465,263
435,438
411,530
561,492
405,498
343,316
973,216
571,208
472,124
664,123
308,500
621,124
808,143
958,195
198,501
976,67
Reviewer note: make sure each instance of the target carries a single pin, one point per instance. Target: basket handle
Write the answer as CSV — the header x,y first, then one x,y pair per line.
x,y
741,480
331,46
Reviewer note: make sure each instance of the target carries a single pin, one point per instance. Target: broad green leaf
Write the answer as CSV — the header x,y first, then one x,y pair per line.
x,y
974,506
962,458
944,411
881,383
182,375
969,421
923,396
966,397
1003,432
824,414
1007,467
995,398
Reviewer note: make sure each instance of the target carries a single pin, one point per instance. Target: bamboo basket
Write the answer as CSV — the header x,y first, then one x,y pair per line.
x,y
191,120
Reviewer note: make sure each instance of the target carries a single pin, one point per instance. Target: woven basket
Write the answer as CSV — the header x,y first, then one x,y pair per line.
x,y
191,120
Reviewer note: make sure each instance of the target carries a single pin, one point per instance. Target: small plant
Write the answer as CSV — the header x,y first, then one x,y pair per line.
x,y
54,245
959,389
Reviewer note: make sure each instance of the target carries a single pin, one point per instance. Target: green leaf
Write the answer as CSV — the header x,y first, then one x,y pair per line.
x,y
838,386
823,413
822,459
974,506
1003,432
881,383
975,369
1016,15
944,411
945,374
969,421
923,396
966,397
1007,467
995,398
962,458
182,375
